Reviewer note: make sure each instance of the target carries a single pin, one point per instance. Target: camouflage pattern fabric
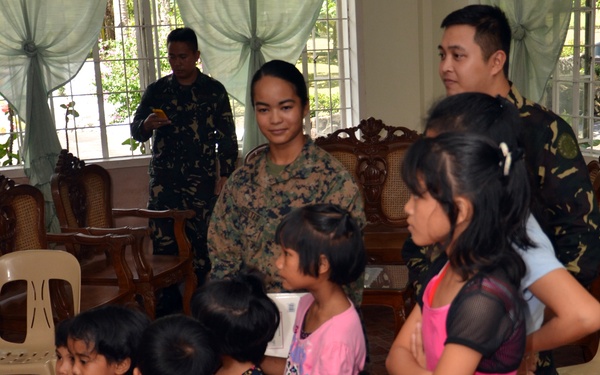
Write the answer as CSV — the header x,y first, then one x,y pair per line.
x,y
253,202
569,213
564,201
183,169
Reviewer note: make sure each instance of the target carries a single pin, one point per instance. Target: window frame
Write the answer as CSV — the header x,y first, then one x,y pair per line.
x,y
150,52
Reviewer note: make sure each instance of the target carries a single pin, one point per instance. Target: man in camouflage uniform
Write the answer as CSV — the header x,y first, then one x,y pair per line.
x,y
183,170
253,202
474,58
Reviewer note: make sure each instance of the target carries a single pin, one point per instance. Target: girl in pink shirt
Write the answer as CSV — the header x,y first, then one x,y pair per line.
x,y
323,250
471,197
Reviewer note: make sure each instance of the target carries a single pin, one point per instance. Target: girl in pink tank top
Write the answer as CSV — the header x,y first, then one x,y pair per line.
x,y
472,199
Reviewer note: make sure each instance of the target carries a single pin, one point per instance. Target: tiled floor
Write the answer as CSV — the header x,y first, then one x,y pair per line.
x,y
379,324
379,321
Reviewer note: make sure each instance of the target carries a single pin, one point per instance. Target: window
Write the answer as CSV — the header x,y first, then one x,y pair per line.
x,y
92,112
574,90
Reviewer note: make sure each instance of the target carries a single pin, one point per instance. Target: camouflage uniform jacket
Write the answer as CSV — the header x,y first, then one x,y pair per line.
x,y
568,209
253,202
201,120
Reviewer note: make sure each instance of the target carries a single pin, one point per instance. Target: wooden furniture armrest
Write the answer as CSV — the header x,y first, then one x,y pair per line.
x,y
143,268
153,214
115,244
179,217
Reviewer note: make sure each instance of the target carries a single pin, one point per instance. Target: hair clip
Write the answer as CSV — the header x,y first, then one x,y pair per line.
x,y
507,158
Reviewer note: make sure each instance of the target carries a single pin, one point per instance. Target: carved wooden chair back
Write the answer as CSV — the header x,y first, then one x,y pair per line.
x,y
22,213
373,153
82,194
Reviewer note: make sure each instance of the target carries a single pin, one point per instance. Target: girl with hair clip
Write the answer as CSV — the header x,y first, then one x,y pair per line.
x,y
547,285
240,318
322,251
472,198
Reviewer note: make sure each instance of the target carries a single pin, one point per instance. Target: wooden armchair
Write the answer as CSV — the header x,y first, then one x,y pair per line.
x,y
23,228
82,195
373,153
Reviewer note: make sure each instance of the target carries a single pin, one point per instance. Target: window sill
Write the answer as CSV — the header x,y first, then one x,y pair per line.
x,y
17,172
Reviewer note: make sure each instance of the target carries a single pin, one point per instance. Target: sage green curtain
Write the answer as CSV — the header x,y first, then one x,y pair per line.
x,y
236,37
43,44
539,28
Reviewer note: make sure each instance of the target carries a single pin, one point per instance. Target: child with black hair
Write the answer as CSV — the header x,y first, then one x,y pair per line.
x,y
471,197
322,250
64,359
174,345
104,340
240,318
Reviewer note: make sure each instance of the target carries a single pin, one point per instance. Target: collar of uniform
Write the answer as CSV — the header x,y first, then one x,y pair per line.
x,y
175,84
299,168
515,97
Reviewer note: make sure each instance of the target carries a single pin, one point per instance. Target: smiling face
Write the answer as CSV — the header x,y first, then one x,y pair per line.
x,y
64,361
87,361
182,59
462,66
279,112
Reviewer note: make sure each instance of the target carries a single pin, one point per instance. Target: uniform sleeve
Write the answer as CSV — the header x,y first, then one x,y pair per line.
x,y
224,245
226,136
141,113
345,193
569,205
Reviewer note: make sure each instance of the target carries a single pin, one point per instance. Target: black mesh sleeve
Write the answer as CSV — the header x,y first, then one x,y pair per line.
x,y
488,316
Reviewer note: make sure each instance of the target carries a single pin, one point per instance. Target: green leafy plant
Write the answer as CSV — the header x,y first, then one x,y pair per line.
x,y
324,101
6,148
69,111
133,145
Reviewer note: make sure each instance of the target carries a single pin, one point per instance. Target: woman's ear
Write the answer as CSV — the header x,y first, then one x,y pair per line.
x,y
465,210
123,366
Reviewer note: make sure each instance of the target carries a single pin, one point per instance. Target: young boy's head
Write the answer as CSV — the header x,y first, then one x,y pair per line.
x,y
239,316
64,360
174,345
103,341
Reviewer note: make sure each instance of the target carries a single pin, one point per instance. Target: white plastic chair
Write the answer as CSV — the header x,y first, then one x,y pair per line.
x,y
36,354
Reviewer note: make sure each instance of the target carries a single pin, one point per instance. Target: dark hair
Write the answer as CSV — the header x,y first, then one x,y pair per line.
x,y
176,344
324,229
492,30
472,166
285,71
113,331
184,34
61,332
238,314
494,117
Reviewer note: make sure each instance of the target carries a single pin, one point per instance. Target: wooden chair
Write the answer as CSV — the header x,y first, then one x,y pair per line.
x,y
373,153
23,228
82,195
37,268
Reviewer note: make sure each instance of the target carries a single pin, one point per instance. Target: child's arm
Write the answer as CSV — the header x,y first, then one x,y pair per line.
x,y
400,360
457,360
576,311
273,365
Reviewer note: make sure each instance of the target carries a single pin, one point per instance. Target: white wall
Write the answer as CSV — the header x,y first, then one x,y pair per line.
x,y
397,51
